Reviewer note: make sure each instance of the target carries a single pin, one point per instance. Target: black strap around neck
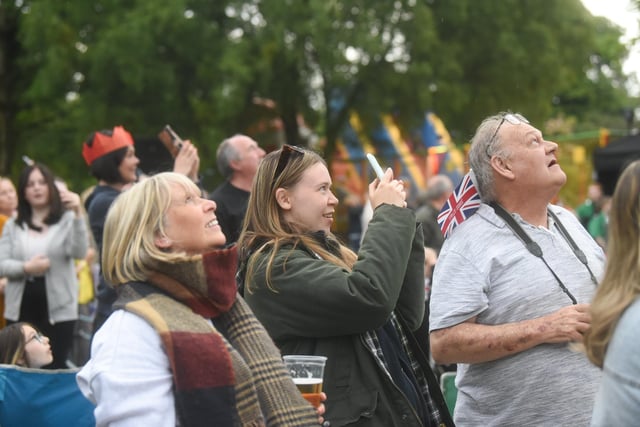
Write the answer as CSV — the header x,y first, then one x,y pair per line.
x,y
574,247
535,249
531,246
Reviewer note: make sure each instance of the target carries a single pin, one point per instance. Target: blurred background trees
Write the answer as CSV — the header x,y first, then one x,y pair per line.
x,y
70,67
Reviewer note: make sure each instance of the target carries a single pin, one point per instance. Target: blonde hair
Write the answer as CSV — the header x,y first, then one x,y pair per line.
x,y
135,219
264,226
621,283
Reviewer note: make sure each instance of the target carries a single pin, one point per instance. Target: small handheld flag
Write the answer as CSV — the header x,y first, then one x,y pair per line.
x,y
463,202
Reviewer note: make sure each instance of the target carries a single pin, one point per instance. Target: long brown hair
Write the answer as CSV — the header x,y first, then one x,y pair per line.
x,y
25,213
12,344
265,228
621,283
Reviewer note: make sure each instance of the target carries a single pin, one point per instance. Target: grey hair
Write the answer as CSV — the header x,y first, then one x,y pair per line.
x,y
437,187
225,154
482,148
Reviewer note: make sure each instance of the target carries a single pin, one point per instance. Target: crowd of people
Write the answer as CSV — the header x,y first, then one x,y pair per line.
x,y
199,295
37,252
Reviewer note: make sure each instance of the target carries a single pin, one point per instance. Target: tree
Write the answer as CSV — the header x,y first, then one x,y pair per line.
x,y
73,67
10,83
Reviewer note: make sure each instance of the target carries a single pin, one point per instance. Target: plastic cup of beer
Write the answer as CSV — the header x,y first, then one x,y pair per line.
x,y
307,373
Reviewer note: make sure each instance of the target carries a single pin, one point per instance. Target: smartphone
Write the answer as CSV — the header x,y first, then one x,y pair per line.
x,y
375,165
171,140
28,161
62,190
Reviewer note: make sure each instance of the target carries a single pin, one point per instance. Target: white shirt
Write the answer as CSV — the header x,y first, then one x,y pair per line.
x,y
128,376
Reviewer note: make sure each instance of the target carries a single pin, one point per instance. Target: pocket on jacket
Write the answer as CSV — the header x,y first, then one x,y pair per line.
x,y
353,407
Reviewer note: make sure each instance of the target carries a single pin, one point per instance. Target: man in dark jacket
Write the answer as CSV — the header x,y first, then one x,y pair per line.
x,y
237,158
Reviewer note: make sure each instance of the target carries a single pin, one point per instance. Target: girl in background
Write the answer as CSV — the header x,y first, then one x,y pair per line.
x,y
23,345
37,252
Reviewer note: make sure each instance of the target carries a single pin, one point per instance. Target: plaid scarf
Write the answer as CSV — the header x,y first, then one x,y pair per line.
x,y
228,374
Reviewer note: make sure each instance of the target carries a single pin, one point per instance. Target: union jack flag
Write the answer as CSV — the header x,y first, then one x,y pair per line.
x,y
463,202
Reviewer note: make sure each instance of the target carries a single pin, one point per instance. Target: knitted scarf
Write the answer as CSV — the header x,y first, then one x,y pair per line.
x,y
229,374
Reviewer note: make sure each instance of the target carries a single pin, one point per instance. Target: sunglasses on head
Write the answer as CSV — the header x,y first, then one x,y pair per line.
x,y
512,118
285,156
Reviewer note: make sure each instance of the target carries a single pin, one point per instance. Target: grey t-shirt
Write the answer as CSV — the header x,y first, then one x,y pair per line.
x,y
484,270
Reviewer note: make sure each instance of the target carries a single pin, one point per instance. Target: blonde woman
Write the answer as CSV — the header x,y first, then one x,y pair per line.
x,y
613,343
181,348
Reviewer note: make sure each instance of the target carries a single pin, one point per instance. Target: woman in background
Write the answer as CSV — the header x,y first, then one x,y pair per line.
x,y
181,348
613,342
111,157
22,344
8,200
37,252
8,206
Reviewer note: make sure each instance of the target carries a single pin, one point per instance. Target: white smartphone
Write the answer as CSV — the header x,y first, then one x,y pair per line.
x,y
375,165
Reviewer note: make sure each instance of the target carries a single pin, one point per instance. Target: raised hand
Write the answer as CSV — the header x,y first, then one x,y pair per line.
x,y
387,190
187,161
70,200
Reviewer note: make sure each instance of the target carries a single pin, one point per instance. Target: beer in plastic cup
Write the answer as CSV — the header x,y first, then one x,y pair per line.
x,y
307,373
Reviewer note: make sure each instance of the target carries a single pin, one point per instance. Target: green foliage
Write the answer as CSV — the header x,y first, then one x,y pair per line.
x,y
75,67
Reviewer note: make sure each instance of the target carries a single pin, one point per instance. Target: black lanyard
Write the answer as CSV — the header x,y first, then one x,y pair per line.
x,y
535,249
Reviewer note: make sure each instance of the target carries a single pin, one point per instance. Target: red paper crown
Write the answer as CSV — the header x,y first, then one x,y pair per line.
x,y
103,144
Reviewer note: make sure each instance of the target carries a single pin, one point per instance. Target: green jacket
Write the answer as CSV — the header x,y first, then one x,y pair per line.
x,y
319,308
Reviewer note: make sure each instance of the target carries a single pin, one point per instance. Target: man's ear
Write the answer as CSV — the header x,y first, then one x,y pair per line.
x,y
502,167
163,242
234,164
283,199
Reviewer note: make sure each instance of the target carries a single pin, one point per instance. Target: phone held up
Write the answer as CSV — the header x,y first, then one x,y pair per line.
x,y
170,140
375,165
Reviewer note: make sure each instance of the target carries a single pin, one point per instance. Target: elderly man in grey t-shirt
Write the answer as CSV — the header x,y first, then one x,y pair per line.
x,y
512,287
